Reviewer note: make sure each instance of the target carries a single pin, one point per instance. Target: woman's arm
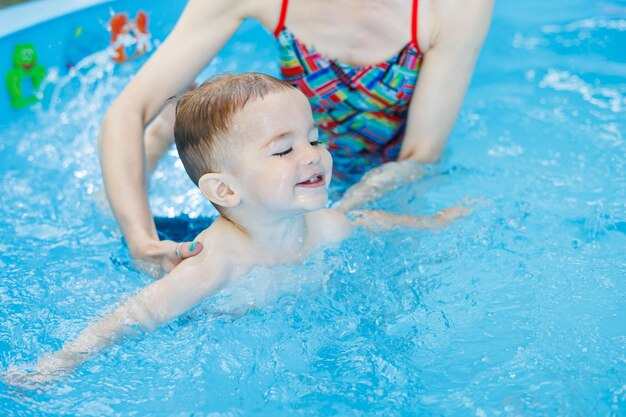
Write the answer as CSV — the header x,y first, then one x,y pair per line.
x,y
457,36
448,64
203,28
159,136
379,181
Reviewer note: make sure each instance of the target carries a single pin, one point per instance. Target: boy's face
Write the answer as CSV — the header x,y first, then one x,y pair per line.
x,y
278,162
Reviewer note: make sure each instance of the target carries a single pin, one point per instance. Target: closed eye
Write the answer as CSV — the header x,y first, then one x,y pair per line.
x,y
282,153
315,142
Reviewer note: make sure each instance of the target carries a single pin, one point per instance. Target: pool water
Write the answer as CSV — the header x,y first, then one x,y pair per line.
x,y
518,309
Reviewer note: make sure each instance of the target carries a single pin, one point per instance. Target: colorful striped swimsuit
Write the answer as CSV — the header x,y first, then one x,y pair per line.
x,y
361,111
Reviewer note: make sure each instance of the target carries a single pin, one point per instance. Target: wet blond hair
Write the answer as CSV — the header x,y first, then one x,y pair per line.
x,y
204,118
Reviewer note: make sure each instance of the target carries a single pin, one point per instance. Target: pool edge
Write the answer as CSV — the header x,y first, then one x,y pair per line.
x,y
22,16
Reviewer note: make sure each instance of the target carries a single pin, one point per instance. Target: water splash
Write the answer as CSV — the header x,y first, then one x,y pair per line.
x,y
601,97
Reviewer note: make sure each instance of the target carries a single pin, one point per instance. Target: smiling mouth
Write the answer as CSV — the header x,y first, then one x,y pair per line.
x,y
316,180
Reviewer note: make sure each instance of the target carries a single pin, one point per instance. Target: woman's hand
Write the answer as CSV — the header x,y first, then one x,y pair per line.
x,y
379,181
159,257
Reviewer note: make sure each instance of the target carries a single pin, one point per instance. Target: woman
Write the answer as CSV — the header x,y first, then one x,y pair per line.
x,y
385,78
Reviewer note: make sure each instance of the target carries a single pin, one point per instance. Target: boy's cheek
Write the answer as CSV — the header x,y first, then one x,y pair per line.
x,y
329,163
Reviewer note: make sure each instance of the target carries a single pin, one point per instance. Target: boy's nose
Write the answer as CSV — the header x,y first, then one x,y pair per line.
x,y
310,154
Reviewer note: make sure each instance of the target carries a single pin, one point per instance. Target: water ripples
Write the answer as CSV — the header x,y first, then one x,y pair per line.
x,y
517,309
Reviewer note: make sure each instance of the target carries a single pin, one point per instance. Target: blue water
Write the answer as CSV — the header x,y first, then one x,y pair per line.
x,y
517,310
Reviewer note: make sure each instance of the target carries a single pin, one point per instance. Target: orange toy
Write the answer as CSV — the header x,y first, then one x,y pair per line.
x,y
119,27
126,34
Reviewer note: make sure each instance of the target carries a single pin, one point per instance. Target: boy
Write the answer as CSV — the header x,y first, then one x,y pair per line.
x,y
249,143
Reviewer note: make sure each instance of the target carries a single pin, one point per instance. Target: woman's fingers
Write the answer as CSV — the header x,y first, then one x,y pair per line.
x,y
186,250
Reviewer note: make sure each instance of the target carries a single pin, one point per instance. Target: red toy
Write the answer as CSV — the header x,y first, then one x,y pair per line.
x,y
129,39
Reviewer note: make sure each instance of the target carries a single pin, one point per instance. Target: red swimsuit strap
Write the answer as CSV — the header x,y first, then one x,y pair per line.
x,y
414,27
281,20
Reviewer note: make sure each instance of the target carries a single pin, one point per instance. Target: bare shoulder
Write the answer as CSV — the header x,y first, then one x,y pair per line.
x,y
199,10
466,20
240,9
220,244
329,225
194,279
215,10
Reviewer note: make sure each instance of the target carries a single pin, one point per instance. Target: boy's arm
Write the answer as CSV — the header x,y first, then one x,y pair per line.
x,y
381,220
154,306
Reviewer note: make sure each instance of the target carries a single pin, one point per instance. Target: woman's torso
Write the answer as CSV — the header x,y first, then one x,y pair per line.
x,y
361,85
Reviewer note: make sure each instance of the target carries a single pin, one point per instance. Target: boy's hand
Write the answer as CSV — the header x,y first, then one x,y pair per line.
x,y
161,256
48,369
18,377
450,214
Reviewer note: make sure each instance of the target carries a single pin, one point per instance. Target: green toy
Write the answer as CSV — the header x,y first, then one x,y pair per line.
x,y
25,67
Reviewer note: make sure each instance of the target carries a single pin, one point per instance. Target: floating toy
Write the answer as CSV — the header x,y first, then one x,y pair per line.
x,y
25,69
129,39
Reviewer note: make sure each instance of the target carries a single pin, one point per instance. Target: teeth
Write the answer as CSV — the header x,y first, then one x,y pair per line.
x,y
312,180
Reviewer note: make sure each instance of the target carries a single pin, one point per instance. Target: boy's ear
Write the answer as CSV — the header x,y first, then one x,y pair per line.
x,y
217,188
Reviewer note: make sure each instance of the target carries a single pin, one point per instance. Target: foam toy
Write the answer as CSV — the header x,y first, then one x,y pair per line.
x,y
129,39
25,68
